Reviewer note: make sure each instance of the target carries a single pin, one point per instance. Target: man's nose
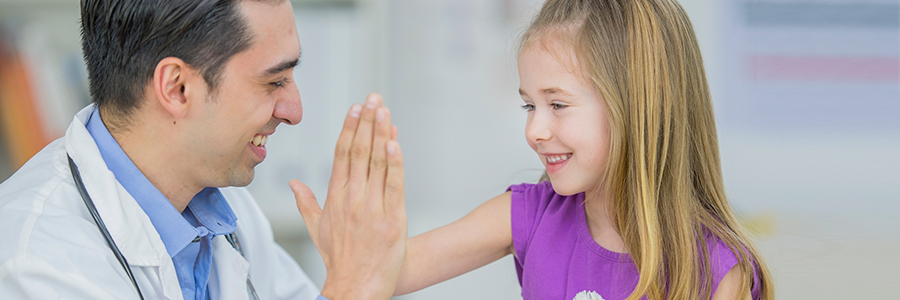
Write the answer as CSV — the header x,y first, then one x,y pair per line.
x,y
289,109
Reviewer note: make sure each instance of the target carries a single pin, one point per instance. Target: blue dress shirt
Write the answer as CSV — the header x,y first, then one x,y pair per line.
x,y
186,235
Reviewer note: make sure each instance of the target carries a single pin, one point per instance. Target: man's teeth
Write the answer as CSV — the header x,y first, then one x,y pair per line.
x,y
558,158
259,140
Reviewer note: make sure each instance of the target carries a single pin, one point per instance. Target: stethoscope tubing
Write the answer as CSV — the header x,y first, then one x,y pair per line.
x,y
93,210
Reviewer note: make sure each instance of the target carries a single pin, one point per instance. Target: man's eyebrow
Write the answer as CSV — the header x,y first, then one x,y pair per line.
x,y
281,67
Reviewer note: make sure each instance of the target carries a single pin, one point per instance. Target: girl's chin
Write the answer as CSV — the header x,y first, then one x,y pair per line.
x,y
561,188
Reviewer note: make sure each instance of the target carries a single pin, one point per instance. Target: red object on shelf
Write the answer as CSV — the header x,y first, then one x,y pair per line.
x,y
21,121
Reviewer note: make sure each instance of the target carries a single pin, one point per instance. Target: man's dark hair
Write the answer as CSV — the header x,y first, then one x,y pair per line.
x,y
124,40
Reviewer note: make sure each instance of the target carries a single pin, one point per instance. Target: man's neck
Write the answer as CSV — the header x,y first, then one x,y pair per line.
x,y
155,157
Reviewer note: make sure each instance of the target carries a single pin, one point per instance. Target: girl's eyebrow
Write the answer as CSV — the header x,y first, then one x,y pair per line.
x,y
551,91
556,91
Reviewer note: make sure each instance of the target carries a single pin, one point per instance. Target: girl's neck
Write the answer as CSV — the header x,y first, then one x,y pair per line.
x,y
600,222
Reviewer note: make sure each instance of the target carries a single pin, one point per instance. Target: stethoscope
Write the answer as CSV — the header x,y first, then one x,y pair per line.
x,y
231,237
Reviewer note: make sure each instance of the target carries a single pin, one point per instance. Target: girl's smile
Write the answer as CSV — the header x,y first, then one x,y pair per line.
x,y
555,162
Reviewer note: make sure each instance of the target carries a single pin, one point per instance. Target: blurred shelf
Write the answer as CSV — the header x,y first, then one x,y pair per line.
x,y
324,2
75,3
40,3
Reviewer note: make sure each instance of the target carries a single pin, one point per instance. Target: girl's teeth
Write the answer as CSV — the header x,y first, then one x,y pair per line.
x,y
558,158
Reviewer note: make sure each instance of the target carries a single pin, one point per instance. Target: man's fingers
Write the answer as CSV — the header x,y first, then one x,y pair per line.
x,y
361,149
341,168
394,196
308,206
393,132
378,163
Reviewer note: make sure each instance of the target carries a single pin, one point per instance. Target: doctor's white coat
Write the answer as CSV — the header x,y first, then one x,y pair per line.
x,y
50,247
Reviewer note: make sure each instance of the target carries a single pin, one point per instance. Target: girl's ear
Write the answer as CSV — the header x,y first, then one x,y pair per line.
x,y
170,79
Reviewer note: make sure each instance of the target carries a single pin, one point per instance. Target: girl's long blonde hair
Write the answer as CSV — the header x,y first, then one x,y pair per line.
x,y
664,179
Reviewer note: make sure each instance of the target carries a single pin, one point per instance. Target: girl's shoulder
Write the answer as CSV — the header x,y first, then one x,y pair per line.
x,y
541,221
722,258
537,191
531,190
535,199
534,205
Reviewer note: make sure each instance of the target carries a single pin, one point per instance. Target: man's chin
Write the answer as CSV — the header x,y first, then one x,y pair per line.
x,y
241,179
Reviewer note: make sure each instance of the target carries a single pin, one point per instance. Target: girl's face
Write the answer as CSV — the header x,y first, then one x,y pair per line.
x,y
567,124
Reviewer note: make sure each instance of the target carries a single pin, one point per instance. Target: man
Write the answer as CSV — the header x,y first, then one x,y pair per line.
x,y
186,94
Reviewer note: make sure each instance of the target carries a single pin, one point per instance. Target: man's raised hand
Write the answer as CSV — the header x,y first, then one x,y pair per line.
x,y
361,232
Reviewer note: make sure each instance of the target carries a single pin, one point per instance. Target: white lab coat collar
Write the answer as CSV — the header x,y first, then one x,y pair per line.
x,y
127,222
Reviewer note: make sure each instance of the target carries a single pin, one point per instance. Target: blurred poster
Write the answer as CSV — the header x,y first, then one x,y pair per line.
x,y
810,66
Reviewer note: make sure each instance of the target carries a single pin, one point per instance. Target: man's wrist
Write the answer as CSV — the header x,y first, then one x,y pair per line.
x,y
355,289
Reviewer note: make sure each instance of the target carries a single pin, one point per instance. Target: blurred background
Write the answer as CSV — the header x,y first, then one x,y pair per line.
x,y
807,96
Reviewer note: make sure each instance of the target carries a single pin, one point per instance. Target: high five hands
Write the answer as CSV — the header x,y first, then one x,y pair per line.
x,y
361,232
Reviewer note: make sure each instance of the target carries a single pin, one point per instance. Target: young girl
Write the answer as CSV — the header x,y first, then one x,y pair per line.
x,y
632,204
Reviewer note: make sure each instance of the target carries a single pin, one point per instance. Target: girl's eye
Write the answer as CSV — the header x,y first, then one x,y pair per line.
x,y
528,107
557,106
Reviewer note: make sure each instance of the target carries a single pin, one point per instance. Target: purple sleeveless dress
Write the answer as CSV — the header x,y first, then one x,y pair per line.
x,y
556,257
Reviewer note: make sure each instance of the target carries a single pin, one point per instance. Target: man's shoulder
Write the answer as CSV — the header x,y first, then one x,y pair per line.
x,y
38,178
40,209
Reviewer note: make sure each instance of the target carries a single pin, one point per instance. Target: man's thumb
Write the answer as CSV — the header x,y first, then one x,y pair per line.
x,y
306,203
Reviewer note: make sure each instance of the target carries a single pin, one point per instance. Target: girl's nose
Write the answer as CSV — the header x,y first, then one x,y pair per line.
x,y
538,128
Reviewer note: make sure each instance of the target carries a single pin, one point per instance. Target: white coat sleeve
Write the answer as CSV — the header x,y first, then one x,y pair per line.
x,y
30,278
50,253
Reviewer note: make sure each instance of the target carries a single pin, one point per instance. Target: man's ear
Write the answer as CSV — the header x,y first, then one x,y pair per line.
x,y
171,78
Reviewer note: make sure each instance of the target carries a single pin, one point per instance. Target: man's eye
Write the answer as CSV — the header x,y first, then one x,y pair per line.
x,y
557,106
281,83
528,107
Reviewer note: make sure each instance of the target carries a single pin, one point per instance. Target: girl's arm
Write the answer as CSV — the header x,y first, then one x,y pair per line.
x,y
479,238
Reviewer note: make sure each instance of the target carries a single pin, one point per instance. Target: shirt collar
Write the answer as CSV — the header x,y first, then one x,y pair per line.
x,y
209,206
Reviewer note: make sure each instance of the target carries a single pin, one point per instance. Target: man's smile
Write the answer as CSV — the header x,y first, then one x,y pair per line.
x,y
259,140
